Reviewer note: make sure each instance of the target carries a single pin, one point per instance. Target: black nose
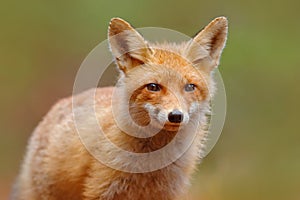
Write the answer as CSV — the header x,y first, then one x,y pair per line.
x,y
175,116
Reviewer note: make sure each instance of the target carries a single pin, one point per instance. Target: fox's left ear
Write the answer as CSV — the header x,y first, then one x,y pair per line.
x,y
204,50
127,46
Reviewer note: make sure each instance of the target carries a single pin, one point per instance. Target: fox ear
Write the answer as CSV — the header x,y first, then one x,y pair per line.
x,y
127,46
204,50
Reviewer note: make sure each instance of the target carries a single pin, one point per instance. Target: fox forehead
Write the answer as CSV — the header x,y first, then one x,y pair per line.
x,y
165,74
168,65
173,57
169,55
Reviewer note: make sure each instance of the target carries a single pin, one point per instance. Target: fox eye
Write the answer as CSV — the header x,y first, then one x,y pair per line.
x,y
153,87
189,87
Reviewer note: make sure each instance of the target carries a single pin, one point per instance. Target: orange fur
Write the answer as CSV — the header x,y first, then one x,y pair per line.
x,y
58,166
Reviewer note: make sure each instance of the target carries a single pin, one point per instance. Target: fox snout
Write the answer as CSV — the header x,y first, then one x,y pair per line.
x,y
167,117
175,116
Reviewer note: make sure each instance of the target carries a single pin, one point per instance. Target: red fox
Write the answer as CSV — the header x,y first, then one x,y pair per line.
x,y
165,87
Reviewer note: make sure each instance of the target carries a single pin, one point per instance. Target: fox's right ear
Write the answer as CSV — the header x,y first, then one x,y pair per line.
x,y
127,46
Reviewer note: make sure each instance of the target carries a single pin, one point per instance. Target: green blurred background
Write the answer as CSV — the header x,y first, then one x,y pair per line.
x,y
258,155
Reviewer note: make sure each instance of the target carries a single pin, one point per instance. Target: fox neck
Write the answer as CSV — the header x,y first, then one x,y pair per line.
x,y
150,144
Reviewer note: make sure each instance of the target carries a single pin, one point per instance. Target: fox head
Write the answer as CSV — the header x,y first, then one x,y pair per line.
x,y
166,85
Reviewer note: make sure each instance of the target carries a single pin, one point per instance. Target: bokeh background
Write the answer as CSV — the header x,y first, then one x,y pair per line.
x,y
42,44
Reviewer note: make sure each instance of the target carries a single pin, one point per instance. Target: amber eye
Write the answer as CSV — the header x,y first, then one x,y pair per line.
x,y
153,87
189,87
